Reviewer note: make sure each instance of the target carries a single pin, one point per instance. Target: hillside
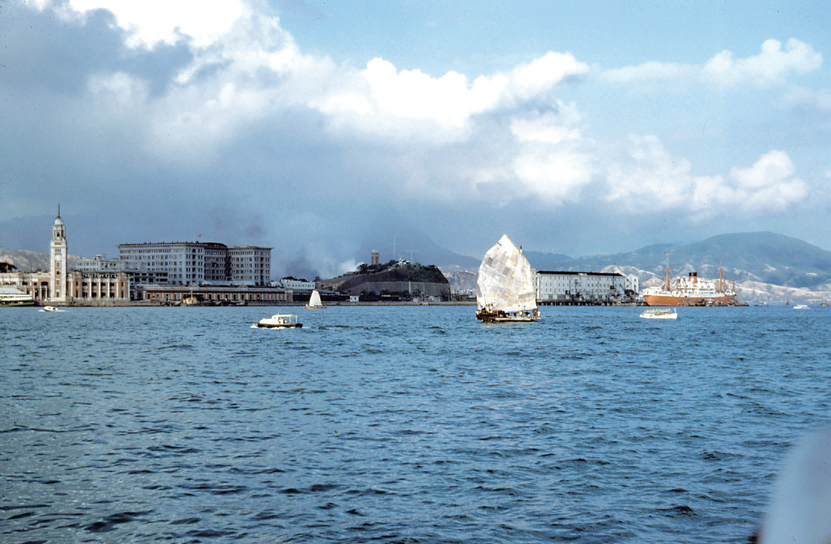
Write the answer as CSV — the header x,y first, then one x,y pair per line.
x,y
30,261
764,265
392,278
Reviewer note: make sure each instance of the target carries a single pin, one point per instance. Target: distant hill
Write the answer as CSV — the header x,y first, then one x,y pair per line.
x,y
30,261
760,256
392,278
764,265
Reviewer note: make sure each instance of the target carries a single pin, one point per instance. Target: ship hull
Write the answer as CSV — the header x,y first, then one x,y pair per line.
x,y
673,300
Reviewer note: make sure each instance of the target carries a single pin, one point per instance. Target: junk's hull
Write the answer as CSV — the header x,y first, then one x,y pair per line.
x,y
490,316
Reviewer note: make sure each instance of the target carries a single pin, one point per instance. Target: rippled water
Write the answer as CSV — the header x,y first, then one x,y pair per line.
x,y
400,424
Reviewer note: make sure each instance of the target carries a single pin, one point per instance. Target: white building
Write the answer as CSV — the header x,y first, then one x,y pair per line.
x,y
291,283
187,263
562,287
99,263
250,265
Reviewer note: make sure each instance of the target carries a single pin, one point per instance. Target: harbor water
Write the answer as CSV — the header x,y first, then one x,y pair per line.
x,y
401,424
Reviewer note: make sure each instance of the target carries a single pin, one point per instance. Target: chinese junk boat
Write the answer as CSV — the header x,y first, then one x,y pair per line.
x,y
505,287
691,291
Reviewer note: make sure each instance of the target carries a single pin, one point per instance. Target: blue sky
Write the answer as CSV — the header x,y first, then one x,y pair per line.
x,y
321,127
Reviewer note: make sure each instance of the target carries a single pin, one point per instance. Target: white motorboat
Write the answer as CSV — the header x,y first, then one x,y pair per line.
x,y
279,321
659,313
801,307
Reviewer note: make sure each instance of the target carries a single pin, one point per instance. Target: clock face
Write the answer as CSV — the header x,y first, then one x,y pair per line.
x,y
57,257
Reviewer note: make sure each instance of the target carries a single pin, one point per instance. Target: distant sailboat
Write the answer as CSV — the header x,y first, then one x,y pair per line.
x,y
505,287
314,301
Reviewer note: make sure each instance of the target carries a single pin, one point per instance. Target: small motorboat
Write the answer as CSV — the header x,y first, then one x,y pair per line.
x,y
279,321
659,313
49,309
801,307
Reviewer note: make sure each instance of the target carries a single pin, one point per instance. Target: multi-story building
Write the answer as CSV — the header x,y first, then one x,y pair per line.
x,y
250,265
198,263
99,263
563,287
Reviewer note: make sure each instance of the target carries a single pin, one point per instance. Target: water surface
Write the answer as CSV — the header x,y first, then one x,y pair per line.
x,y
400,424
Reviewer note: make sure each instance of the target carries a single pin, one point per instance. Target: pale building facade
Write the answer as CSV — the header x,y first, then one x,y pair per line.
x,y
291,283
197,263
597,287
31,283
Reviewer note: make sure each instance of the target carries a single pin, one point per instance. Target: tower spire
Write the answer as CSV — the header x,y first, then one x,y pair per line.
x,y
59,209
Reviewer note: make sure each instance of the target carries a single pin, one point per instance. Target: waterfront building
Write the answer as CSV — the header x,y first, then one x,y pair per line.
x,y
214,295
96,283
98,287
198,263
250,265
567,287
35,284
291,283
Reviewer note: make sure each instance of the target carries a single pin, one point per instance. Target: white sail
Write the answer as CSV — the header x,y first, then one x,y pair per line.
x,y
505,281
314,300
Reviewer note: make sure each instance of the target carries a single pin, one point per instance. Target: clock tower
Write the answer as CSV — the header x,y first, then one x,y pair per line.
x,y
57,261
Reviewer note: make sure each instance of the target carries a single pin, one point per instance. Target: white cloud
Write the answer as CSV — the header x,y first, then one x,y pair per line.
x,y
119,89
554,176
550,127
649,71
438,108
771,66
651,180
151,22
769,184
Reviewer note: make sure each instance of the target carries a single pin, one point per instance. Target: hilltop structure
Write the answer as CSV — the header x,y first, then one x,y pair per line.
x,y
394,280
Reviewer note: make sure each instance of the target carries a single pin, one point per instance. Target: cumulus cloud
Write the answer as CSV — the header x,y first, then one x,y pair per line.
x,y
772,65
406,104
151,22
244,110
653,180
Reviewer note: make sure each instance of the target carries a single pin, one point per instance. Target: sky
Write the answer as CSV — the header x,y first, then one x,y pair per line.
x,y
319,128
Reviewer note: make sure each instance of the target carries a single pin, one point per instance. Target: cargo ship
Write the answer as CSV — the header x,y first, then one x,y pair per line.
x,y
691,291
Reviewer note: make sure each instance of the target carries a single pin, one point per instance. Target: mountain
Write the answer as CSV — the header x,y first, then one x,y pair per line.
x,y
30,261
764,265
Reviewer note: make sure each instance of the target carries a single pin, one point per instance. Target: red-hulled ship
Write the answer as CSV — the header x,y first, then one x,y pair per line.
x,y
691,291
